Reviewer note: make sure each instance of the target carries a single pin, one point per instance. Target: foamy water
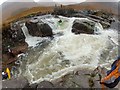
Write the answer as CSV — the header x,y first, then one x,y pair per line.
x,y
68,52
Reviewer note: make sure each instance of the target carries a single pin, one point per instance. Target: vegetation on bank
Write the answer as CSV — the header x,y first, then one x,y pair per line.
x,y
59,10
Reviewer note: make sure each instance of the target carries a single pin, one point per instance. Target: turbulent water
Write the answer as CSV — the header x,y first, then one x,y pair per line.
x,y
67,51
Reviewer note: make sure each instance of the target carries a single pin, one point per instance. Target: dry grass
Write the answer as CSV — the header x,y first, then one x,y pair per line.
x,y
26,13
95,6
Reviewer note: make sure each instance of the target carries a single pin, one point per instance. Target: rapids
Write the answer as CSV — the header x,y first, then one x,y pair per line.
x,y
67,51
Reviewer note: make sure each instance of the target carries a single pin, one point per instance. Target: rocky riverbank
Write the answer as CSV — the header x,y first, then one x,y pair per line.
x,y
76,79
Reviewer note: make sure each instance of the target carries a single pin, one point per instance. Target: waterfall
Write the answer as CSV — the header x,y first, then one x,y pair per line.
x,y
98,28
25,31
32,41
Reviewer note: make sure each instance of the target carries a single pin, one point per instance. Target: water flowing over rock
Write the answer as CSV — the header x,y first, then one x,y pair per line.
x,y
83,27
38,28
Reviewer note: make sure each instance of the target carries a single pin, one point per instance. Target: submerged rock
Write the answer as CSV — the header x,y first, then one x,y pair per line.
x,y
38,28
80,26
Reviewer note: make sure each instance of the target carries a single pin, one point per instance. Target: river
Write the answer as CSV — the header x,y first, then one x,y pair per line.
x,y
50,59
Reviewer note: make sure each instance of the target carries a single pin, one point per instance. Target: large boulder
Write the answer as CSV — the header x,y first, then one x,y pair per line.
x,y
17,84
38,28
80,26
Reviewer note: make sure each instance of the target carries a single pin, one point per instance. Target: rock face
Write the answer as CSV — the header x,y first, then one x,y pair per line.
x,y
12,36
45,84
83,27
63,11
17,33
82,78
17,84
115,25
38,28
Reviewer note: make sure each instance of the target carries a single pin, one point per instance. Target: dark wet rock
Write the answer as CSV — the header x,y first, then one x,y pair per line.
x,y
11,37
17,33
63,11
32,28
115,25
103,14
45,29
45,84
33,86
86,27
17,84
38,28
82,78
105,25
20,48
10,56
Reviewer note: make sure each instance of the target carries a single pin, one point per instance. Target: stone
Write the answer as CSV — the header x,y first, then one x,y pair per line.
x,y
17,33
115,25
45,84
86,27
82,78
11,37
18,83
45,30
63,11
33,86
13,43
38,28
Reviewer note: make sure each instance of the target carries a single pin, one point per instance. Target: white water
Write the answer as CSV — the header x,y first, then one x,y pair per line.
x,y
69,51
32,41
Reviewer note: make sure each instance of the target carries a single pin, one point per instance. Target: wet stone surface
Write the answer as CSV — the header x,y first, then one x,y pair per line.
x,y
86,27
17,84
78,79
38,28
45,84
